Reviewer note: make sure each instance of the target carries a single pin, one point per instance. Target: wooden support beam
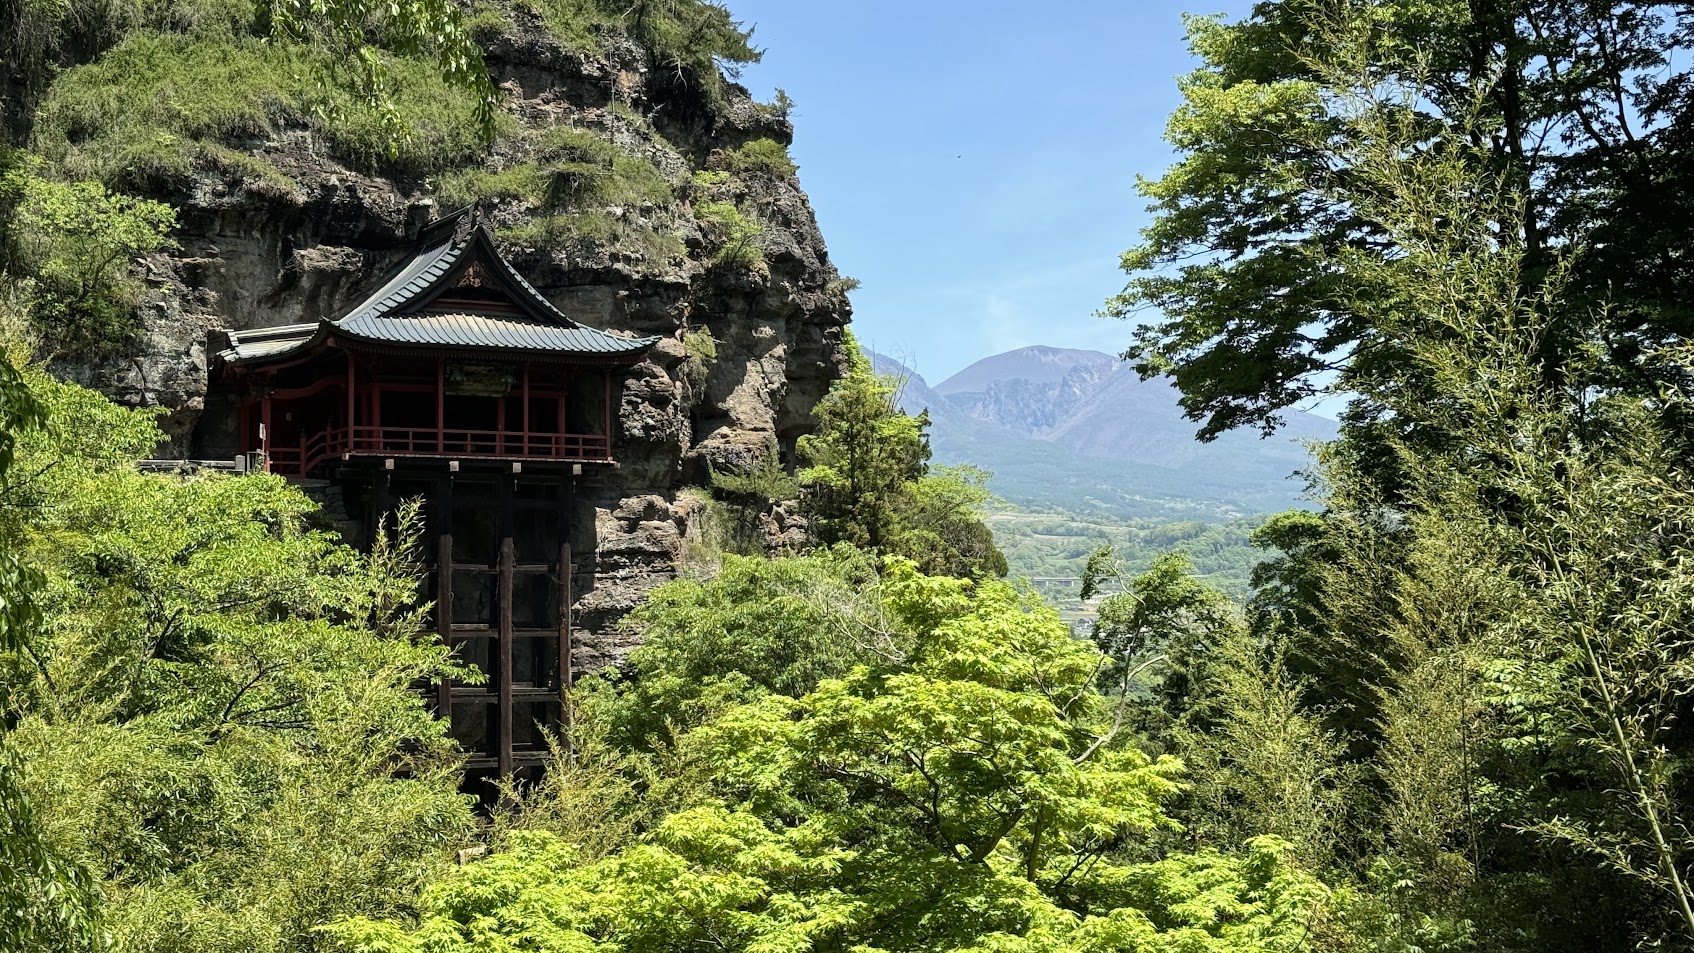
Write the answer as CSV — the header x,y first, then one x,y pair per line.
x,y
380,492
567,640
508,560
443,583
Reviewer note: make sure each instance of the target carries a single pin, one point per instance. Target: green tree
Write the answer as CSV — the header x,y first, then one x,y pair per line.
x,y
867,481
974,795
1509,606
47,900
1261,265
216,719
757,626
69,247
941,524
863,457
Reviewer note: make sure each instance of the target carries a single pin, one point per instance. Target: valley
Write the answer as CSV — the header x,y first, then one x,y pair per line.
x,y
1083,454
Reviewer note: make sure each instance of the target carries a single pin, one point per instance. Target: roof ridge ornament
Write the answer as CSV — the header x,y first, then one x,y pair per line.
x,y
468,224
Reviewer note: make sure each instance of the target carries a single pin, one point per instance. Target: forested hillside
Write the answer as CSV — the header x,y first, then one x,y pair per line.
x,y
1447,714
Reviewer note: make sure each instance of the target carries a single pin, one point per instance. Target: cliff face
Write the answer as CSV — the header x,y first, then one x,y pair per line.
x,y
734,251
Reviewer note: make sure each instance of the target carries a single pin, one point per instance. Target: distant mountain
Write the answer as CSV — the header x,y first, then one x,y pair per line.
x,y
1039,364
1080,431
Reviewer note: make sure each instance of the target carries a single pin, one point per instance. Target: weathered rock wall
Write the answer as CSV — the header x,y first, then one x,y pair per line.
x,y
254,253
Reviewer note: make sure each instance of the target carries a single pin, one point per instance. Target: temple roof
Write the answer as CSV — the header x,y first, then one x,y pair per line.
x,y
457,293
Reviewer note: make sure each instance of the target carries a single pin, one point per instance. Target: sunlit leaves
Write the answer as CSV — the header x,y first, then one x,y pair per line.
x,y
966,795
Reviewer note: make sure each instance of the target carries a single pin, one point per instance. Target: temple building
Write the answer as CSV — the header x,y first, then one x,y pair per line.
x,y
456,381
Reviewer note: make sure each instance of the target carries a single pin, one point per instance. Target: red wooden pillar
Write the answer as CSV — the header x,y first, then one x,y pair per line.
x,y
440,405
352,400
606,412
525,449
378,441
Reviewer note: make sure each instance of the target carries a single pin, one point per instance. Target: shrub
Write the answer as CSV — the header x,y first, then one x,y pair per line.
x,y
72,244
584,233
573,168
736,235
760,156
702,352
581,167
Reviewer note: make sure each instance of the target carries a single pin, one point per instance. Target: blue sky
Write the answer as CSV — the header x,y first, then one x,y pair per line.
x,y
974,164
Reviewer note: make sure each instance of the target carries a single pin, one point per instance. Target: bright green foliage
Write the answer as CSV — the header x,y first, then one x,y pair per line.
x,y
59,33
1489,625
733,232
862,458
1163,610
582,168
523,182
217,720
758,156
157,108
867,482
966,793
412,28
594,231
755,627
71,244
20,412
941,525
744,498
1256,271
1261,763
762,482
573,169
47,901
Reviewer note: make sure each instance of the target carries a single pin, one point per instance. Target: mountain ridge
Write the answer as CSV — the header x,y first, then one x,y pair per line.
x,y
1125,448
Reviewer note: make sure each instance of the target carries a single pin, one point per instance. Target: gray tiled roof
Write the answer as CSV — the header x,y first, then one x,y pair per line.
x,y
510,332
426,268
399,311
266,342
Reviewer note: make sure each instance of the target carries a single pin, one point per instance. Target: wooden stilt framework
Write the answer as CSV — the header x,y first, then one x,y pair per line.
x,y
502,541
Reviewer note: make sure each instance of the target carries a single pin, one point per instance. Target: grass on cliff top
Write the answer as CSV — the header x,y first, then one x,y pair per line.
x,y
581,235
158,108
697,38
573,168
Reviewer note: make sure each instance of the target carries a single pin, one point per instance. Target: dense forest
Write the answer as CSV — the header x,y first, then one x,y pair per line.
x,y
1443,712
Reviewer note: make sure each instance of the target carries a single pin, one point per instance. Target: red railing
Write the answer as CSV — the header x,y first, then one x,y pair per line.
x,y
303,457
